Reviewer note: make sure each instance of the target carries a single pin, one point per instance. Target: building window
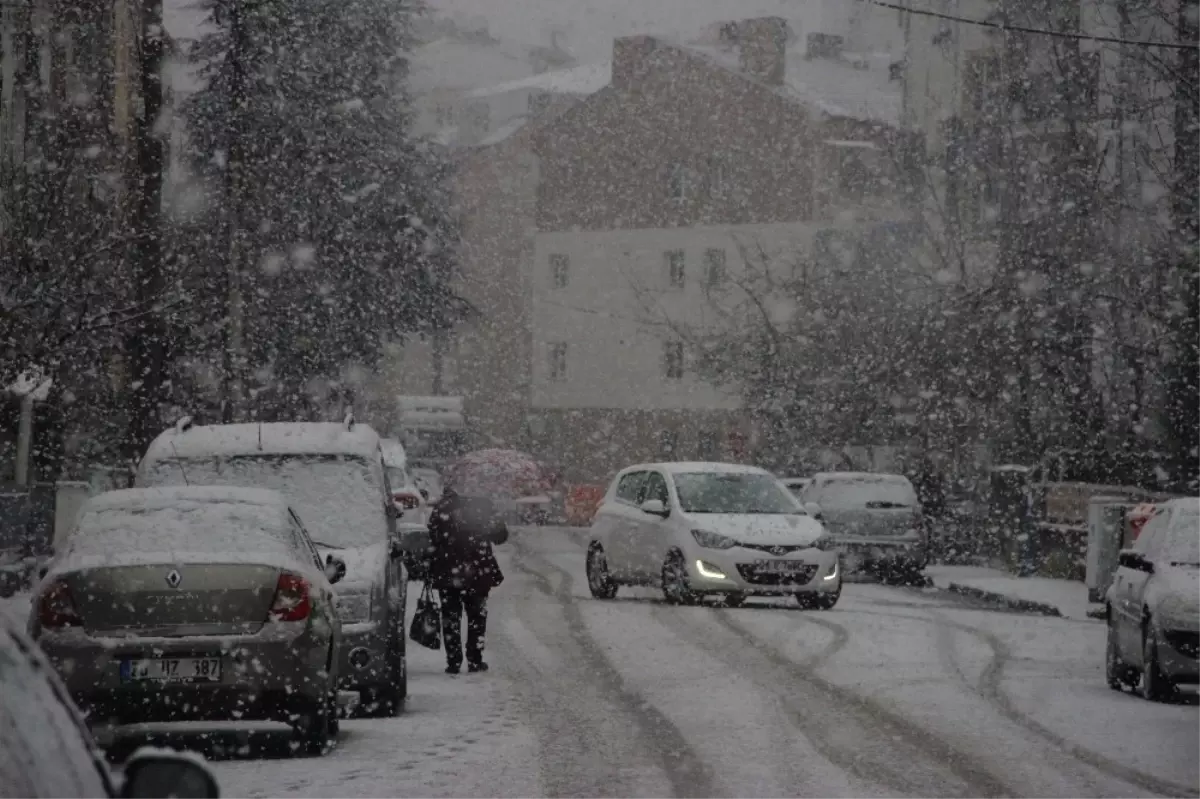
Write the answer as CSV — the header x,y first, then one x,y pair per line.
x,y
560,270
673,360
558,361
681,183
714,267
676,268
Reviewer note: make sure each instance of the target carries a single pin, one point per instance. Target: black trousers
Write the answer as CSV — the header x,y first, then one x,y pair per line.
x,y
454,602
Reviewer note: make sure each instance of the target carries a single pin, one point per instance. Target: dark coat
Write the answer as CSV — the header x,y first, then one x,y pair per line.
x,y
461,533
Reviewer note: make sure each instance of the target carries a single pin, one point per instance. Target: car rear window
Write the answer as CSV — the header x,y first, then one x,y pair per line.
x,y
183,525
868,492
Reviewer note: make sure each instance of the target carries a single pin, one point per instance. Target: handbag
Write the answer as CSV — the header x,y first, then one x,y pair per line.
x,y
426,628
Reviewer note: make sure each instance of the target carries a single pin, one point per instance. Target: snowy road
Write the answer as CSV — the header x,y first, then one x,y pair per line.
x,y
895,692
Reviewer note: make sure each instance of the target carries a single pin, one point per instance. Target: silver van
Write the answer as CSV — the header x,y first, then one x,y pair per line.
x,y
333,475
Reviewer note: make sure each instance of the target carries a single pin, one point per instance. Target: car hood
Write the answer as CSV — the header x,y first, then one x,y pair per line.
x,y
365,566
760,528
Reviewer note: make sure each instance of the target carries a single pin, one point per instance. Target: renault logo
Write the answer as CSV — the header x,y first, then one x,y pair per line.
x,y
174,578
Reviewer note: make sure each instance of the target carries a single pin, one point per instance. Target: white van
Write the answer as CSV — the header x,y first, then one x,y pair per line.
x,y
333,475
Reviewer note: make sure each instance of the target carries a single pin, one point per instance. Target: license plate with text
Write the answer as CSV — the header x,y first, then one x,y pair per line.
x,y
172,669
780,566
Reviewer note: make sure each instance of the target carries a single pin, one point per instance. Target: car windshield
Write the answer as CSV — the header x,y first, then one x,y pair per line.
x,y
864,493
1183,543
180,526
335,495
736,492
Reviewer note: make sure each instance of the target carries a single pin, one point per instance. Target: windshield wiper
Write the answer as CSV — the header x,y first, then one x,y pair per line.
x,y
1184,563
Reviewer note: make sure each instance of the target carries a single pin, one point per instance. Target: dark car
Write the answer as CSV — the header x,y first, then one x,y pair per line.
x,y
47,750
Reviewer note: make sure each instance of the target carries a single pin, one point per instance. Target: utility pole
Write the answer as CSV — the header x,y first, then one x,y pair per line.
x,y
146,344
233,355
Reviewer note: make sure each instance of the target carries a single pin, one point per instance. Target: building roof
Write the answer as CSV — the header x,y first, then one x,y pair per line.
x,y
584,79
834,87
455,63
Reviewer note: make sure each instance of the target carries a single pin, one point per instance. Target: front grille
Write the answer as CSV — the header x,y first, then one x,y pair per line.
x,y
1184,642
774,549
755,576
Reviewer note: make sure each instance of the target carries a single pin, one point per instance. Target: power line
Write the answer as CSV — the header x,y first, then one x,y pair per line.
x,y
983,23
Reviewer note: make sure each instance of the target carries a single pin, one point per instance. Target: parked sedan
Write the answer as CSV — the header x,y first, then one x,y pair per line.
x,y
194,603
1153,605
709,528
48,751
875,519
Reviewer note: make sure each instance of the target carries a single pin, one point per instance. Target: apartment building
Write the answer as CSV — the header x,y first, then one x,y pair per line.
x,y
592,230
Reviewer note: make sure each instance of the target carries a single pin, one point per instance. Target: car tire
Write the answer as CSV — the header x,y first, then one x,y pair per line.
x,y
1155,685
674,581
733,599
600,582
1118,675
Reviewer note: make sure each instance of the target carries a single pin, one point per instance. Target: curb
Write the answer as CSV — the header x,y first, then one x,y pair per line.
x,y
1024,605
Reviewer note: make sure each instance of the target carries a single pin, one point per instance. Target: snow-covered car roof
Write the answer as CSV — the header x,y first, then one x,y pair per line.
x,y
690,467
197,524
271,438
168,496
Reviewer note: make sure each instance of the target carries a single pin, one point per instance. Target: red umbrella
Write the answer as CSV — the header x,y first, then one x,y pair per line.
x,y
496,473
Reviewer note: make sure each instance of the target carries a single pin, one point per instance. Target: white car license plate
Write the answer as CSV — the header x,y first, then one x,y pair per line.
x,y
172,669
780,566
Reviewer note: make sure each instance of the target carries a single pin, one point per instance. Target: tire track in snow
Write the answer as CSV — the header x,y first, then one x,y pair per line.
x,y
977,779
687,773
990,688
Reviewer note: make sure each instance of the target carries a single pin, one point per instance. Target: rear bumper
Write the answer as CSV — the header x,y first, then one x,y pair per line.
x,y
882,553
363,661
263,676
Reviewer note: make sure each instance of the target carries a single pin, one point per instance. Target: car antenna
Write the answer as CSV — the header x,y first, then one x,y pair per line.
x,y
179,463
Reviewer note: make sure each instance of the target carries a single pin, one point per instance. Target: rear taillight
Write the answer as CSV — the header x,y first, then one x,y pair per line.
x,y
292,602
406,500
56,607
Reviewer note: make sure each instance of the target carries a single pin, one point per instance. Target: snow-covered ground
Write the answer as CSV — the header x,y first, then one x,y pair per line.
x,y
894,692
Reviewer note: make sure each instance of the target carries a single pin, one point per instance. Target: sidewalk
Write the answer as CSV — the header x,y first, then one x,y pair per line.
x,y
1046,595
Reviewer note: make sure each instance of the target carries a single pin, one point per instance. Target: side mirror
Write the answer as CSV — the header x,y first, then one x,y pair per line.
x,y
335,568
392,511
159,773
1134,560
814,510
656,507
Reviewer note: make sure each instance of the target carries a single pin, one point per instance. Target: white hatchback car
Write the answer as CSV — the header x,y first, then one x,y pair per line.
x,y
709,528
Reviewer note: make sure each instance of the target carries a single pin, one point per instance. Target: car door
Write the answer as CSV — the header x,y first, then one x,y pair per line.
x,y
623,517
652,533
1130,587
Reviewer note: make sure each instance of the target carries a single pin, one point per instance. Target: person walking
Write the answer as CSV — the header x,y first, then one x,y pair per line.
x,y
463,569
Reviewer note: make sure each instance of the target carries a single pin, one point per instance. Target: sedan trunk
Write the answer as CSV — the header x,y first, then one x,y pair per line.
x,y
174,599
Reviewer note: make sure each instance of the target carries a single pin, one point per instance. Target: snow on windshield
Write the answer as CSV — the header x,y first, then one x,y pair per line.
x,y
857,493
1183,545
183,525
708,492
335,496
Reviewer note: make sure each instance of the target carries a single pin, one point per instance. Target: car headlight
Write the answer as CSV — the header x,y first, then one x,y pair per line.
x,y
353,608
713,540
